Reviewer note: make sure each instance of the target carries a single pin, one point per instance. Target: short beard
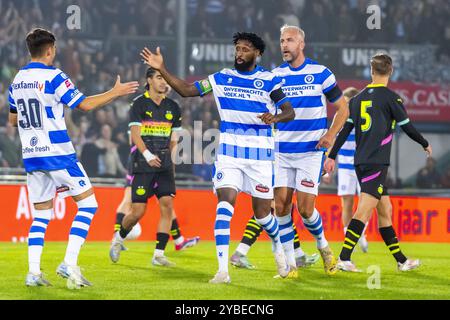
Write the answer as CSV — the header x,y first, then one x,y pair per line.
x,y
242,67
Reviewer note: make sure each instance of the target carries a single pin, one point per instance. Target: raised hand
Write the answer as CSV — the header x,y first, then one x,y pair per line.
x,y
123,89
154,60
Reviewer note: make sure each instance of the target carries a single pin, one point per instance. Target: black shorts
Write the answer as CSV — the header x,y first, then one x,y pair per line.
x,y
372,178
128,180
145,185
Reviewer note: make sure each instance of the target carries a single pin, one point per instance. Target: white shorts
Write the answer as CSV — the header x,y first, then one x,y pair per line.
x,y
348,183
255,179
43,185
300,172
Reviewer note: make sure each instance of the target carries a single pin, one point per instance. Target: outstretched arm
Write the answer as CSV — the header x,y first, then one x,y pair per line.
x,y
156,61
415,135
119,89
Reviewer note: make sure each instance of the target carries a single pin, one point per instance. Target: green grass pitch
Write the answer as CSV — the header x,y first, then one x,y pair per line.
x,y
135,278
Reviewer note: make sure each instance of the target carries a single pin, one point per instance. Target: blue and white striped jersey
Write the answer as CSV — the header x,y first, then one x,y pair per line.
x,y
240,98
38,95
308,88
346,155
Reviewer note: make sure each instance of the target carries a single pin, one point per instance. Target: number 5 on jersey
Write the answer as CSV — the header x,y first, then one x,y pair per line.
x,y
366,116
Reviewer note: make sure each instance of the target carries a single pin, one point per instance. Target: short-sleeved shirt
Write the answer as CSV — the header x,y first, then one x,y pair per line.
x,y
157,123
308,87
374,113
240,98
37,95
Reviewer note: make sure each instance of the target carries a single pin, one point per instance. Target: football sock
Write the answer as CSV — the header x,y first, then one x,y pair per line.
x,y
354,231
161,241
224,213
314,226
80,228
391,241
251,234
287,235
175,232
36,239
297,249
270,224
119,218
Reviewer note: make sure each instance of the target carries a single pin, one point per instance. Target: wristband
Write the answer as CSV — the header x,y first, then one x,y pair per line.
x,y
148,155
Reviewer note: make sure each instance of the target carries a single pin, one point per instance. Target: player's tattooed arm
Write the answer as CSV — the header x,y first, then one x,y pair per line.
x,y
156,61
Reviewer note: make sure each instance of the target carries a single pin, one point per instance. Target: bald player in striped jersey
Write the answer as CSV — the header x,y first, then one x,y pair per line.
x,y
301,144
37,97
247,97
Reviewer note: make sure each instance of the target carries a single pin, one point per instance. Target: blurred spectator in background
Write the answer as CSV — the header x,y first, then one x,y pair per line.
x,y
10,148
445,180
109,162
428,177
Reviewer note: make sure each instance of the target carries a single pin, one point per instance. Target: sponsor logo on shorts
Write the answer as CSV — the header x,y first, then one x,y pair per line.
x,y
307,183
62,189
380,189
262,188
82,183
219,175
140,191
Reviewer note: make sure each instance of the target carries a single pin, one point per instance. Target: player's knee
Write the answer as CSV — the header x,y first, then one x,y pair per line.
x,y
90,202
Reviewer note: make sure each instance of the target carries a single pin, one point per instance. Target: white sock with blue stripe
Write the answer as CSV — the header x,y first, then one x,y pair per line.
x,y
224,213
287,236
36,239
270,224
80,228
314,226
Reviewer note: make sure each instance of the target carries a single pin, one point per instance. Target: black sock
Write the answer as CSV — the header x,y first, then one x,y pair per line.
x,y
175,230
161,240
252,232
296,238
119,218
123,233
391,241
354,231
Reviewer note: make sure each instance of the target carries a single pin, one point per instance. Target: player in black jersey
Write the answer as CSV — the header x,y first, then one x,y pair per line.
x,y
374,113
153,119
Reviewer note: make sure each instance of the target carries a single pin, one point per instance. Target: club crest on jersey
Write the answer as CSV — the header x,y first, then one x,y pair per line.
x,y
262,188
309,79
307,183
169,115
258,84
34,141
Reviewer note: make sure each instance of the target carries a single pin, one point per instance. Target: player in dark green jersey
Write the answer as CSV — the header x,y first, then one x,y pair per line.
x,y
374,113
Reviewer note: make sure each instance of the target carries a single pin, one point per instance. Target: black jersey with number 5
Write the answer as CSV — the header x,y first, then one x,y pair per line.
x,y
374,112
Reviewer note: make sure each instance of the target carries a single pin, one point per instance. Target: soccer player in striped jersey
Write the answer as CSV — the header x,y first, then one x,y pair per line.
x,y
37,97
374,113
247,97
301,144
348,185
